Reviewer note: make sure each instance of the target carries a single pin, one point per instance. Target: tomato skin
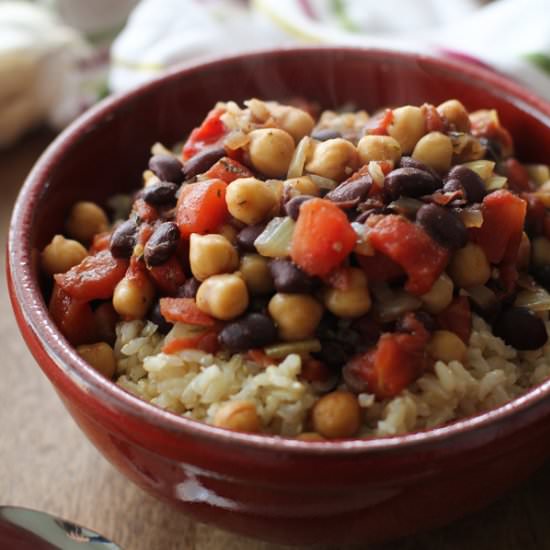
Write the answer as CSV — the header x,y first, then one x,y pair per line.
x,y
168,276
381,124
503,221
323,237
184,310
209,132
201,207
74,318
380,268
207,342
408,245
94,278
228,170
434,121
395,362
101,241
145,211
457,318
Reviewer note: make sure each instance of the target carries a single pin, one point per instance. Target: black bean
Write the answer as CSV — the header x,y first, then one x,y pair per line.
x,y
288,277
409,162
542,275
325,134
352,375
471,183
292,207
155,317
251,331
493,149
166,167
123,239
443,226
334,353
521,329
162,193
162,243
355,190
189,288
247,236
410,182
202,161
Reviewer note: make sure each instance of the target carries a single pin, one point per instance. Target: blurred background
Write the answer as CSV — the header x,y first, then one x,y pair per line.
x,y
58,57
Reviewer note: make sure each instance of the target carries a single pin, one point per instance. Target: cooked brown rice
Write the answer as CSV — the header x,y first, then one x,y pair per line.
x,y
195,384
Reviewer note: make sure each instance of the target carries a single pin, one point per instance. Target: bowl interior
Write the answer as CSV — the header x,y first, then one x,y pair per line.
x,y
105,152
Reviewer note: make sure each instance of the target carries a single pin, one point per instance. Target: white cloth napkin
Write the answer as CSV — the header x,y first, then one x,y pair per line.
x,y
513,36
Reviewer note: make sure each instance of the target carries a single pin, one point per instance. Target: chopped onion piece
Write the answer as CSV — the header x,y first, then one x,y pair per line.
x,y
362,247
535,300
393,306
471,217
274,241
258,109
406,205
159,149
376,173
183,330
466,147
538,173
495,182
279,351
300,157
236,140
483,168
323,183
544,196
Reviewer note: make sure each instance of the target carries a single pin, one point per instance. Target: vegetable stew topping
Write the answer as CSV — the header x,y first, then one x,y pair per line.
x,y
362,244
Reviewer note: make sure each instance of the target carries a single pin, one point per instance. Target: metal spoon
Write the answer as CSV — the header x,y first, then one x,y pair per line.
x,y
24,529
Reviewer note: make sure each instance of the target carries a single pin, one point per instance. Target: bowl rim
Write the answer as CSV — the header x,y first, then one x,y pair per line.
x,y
28,302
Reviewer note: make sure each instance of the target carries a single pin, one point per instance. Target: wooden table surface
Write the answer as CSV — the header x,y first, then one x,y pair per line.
x,y
46,462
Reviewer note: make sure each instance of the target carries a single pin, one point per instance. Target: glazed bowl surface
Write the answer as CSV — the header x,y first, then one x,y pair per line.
x,y
273,488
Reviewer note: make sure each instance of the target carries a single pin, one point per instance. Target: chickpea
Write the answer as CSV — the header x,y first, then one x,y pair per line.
x,y
297,315
240,416
335,159
250,200
100,356
336,415
271,151
62,254
133,297
407,127
378,148
229,232
446,346
295,121
223,296
469,266
456,114
303,185
434,150
256,274
211,255
85,220
439,296
351,302
540,251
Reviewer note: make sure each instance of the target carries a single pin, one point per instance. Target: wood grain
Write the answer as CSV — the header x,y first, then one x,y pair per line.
x,y
46,463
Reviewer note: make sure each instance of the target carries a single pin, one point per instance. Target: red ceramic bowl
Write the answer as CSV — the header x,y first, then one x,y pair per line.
x,y
267,487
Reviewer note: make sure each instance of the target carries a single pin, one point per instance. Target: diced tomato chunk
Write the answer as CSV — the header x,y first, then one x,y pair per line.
x,y
397,360
145,211
536,212
379,268
323,237
408,245
228,170
206,341
518,178
378,126
95,277
184,310
168,276
314,370
457,318
503,220
201,207
74,318
100,242
209,132
434,121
